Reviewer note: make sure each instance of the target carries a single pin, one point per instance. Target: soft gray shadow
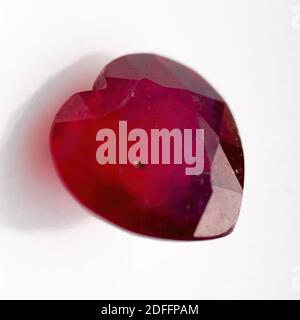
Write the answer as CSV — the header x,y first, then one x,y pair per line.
x,y
31,194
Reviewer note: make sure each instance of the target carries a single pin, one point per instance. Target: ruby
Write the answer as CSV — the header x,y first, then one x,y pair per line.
x,y
155,199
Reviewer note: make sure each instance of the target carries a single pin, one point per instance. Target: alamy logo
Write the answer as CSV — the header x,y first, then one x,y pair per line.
x,y
296,278
296,17
188,147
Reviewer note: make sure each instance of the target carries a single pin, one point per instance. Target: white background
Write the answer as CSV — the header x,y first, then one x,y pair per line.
x,y
51,247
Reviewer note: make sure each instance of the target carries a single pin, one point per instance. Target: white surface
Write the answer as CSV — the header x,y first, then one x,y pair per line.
x,y
50,247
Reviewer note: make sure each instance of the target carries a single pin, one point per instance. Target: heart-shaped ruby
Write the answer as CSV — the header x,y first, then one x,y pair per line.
x,y
149,92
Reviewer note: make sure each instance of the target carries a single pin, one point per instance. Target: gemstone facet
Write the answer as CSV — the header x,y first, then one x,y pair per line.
x,y
160,200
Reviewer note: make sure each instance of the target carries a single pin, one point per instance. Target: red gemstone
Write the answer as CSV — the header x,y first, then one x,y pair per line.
x,y
159,200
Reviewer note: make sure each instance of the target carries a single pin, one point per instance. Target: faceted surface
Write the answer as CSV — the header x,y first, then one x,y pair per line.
x,y
159,200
